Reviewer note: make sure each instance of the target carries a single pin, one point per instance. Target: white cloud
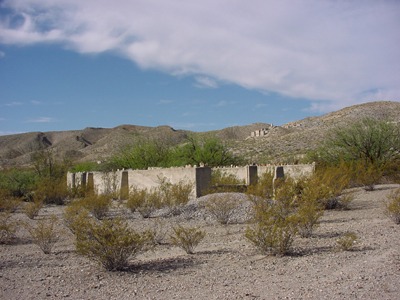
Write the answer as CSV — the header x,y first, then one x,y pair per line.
x,y
13,103
41,120
205,82
329,52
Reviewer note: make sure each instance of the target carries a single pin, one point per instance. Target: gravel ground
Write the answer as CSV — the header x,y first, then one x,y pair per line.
x,y
225,265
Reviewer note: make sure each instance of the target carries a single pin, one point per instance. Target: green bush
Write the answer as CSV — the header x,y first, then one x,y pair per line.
x,y
110,242
187,238
18,183
45,234
392,206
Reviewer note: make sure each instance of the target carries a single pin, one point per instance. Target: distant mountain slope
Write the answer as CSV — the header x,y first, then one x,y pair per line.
x,y
279,144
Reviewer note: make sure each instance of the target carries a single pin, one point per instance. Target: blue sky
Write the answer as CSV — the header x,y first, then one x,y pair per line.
x,y
195,65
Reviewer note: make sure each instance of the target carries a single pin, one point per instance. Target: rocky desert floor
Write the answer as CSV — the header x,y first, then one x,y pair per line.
x,y
225,265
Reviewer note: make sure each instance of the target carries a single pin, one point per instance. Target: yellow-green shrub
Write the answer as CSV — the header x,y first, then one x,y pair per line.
x,y
222,207
8,228
97,205
347,241
392,206
31,209
110,242
187,238
44,234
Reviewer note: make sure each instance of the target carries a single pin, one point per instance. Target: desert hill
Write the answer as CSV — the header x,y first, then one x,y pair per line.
x,y
279,143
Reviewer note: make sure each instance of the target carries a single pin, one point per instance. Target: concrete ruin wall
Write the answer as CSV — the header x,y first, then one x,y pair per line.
x,y
200,177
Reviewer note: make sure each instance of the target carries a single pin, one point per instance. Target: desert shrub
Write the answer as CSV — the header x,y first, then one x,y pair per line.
x,y
276,222
347,241
330,182
187,238
373,141
18,182
136,198
222,207
97,205
52,190
8,228
9,203
159,231
392,206
31,209
44,234
309,208
174,196
151,202
110,242
367,174
263,189
75,215
345,199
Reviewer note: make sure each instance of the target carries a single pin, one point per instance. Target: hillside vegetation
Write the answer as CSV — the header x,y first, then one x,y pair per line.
x,y
287,143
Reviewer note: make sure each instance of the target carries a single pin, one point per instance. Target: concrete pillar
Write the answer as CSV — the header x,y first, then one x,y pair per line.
x,y
203,180
124,194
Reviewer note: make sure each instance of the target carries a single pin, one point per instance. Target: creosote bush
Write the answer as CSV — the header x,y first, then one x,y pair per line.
x,y
111,242
135,199
8,228
97,205
32,209
347,241
174,196
44,234
187,238
275,222
75,214
392,206
150,203
222,207
9,203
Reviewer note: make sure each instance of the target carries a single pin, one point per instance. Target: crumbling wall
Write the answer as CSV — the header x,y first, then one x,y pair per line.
x,y
200,177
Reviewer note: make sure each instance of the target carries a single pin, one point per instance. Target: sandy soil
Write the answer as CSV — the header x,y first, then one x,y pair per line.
x,y
225,265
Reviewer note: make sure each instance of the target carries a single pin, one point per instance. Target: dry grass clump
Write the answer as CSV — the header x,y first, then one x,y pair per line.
x,y
347,241
44,234
187,238
392,206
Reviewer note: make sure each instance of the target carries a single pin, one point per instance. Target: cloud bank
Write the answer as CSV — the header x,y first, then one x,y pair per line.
x,y
332,53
